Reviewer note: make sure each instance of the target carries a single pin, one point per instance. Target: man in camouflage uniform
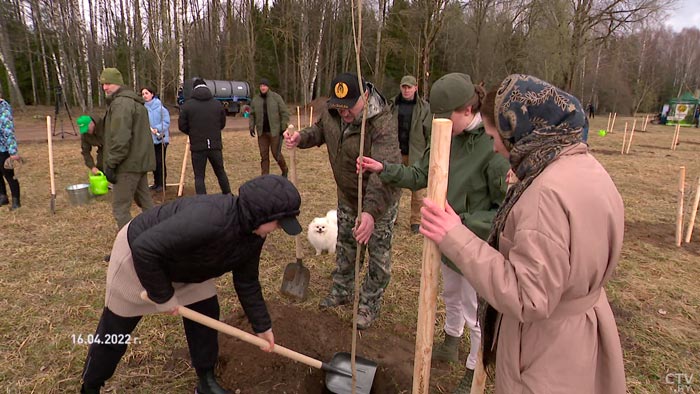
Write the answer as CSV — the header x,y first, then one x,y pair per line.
x,y
339,128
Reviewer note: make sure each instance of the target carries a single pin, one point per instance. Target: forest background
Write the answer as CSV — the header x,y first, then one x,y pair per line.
x,y
617,54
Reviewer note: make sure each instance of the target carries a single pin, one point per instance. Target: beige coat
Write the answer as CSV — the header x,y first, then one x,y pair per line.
x,y
560,244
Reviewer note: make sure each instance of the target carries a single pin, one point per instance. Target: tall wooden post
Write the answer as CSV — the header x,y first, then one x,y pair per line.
x,y
612,124
437,192
693,212
607,127
629,143
679,214
624,138
181,185
646,120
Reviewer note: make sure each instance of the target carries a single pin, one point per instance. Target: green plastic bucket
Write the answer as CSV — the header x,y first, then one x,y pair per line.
x,y
98,183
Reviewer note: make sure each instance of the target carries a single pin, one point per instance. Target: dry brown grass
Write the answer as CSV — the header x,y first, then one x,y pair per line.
x,y
52,274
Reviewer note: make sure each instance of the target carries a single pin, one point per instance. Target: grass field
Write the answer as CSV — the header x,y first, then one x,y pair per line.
x,y
52,275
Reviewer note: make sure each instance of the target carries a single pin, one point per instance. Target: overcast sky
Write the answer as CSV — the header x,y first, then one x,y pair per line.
x,y
685,14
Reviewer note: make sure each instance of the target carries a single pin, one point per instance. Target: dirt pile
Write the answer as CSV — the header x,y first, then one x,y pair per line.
x,y
319,335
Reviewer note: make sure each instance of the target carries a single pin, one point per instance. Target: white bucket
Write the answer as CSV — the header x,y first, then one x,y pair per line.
x,y
78,194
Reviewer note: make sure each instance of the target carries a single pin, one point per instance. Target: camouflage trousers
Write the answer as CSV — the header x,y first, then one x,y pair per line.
x,y
379,246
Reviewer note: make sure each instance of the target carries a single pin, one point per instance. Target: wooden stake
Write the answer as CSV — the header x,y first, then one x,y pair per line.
x,y
607,128
693,212
298,119
629,143
311,117
437,192
52,203
646,120
479,380
679,214
181,187
612,125
678,136
624,138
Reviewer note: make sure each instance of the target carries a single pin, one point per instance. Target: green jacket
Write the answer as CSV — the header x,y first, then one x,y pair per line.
x,y
97,139
476,184
420,131
277,113
128,144
343,144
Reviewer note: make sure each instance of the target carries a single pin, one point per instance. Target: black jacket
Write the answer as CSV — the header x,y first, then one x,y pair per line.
x,y
193,239
202,118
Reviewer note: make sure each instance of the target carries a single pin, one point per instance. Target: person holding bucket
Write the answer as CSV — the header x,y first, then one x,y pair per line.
x,y
174,253
92,134
555,242
159,117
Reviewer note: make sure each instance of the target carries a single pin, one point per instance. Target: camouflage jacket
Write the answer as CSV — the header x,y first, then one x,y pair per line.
x,y
343,143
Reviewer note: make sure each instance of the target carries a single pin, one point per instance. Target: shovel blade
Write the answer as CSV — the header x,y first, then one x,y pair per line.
x,y
295,281
341,383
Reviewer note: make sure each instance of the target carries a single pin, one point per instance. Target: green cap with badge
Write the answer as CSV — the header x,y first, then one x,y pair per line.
x,y
450,93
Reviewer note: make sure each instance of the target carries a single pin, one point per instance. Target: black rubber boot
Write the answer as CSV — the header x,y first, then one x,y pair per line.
x,y
4,200
208,384
15,203
448,350
465,385
85,390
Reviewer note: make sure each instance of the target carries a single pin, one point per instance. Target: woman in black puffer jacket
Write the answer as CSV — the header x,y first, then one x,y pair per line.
x,y
174,252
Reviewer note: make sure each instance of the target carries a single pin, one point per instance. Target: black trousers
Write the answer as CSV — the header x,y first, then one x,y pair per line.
x,y
9,175
199,165
102,359
161,172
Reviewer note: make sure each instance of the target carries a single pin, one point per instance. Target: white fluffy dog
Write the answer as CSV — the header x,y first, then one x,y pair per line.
x,y
323,232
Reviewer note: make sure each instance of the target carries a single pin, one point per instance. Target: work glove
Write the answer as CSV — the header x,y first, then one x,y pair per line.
x,y
252,132
111,175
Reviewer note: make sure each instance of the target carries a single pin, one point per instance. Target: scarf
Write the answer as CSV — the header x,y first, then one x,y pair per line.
x,y
536,121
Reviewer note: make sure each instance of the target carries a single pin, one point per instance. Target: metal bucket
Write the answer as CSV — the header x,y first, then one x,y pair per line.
x,y
78,194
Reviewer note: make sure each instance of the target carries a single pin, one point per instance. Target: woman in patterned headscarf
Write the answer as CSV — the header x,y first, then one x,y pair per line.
x,y
554,244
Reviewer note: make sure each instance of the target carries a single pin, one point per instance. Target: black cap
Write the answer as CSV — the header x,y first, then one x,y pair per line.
x,y
265,81
290,225
344,91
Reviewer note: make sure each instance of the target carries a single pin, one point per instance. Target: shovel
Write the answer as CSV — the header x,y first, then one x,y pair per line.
x,y
338,370
295,281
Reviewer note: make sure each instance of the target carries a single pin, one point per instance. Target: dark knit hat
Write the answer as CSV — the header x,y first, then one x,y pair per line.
x,y
111,75
265,81
197,82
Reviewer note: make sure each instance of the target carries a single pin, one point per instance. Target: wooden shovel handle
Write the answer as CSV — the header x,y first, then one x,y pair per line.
x,y
50,141
242,335
295,182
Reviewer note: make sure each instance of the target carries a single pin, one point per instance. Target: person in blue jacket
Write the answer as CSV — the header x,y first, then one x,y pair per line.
x,y
159,118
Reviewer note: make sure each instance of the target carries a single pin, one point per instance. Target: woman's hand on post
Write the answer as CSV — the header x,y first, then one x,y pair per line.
x,y
270,338
369,164
435,222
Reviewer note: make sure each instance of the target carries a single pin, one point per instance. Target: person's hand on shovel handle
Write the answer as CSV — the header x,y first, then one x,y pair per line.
x,y
163,308
270,338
